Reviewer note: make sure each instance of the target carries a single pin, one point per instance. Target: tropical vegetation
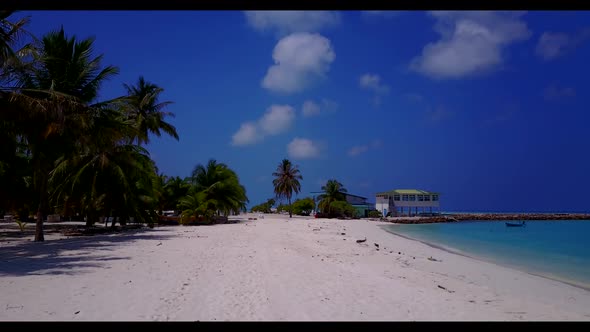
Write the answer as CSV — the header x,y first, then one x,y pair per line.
x,y
375,214
265,207
215,191
332,202
66,151
340,209
333,191
283,208
286,181
300,207
304,206
171,189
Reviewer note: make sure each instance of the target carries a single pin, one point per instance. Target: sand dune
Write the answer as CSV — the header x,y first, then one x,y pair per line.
x,y
269,269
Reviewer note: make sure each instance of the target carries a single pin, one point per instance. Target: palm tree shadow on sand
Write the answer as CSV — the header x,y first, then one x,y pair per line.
x,y
73,255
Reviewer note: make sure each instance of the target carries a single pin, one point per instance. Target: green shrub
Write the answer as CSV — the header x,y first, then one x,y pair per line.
x,y
375,214
264,207
21,225
259,208
303,207
342,209
282,208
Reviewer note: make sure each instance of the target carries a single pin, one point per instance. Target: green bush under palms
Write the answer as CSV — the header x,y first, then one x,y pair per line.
x,y
375,214
21,225
303,207
215,191
333,191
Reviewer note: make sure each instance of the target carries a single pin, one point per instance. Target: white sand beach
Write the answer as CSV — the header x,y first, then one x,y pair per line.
x,y
271,269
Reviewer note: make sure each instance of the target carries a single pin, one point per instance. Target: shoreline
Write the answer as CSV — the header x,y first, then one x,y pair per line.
x,y
485,217
456,251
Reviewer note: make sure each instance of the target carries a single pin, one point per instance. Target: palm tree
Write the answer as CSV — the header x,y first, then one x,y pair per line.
x,y
11,34
146,111
14,161
286,181
104,175
333,191
52,104
215,190
197,204
172,190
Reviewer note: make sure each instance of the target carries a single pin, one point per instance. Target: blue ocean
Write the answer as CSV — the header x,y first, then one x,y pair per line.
x,y
555,249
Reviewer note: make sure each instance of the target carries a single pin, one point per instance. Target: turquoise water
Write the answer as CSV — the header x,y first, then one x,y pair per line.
x,y
555,249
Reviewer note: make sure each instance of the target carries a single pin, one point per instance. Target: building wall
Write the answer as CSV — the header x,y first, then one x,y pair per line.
x,y
362,210
415,204
382,204
387,203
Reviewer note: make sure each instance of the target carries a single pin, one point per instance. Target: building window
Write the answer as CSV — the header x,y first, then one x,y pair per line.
x,y
435,198
405,198
427,198
412,197
420,198
396,197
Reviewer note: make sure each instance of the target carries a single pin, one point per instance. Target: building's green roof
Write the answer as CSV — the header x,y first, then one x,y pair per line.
x,y
407,192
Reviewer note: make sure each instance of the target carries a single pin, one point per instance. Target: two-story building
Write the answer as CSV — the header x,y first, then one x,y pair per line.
x,y
406,202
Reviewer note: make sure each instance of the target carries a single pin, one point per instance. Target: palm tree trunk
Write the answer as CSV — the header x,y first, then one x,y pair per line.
x,y
43,197
290,213
91,219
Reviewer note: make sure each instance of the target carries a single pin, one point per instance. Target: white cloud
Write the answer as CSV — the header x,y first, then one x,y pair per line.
x,y
311,108
277,119
360,149
552,45
300,59
373,83
471,43
246,135
303,148
289,21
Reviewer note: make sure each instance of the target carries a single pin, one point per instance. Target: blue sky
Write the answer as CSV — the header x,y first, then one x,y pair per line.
x,y
487,108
